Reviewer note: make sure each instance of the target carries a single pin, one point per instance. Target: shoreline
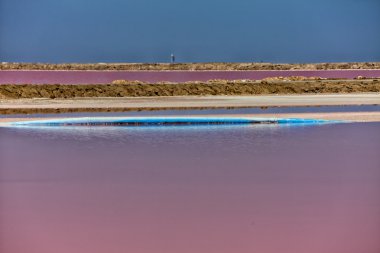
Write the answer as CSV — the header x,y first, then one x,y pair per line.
x,y
124,88
353,117
189,66
112,104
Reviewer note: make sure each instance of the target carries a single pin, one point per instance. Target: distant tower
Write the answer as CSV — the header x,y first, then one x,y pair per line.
x,y
172,58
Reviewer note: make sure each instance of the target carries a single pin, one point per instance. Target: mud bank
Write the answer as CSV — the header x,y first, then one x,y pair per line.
x,y
188,66
216,87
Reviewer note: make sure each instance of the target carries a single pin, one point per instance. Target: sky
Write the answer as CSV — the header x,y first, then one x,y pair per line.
x,y
194,30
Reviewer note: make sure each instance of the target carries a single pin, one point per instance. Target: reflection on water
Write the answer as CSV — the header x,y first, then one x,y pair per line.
x,y
253,188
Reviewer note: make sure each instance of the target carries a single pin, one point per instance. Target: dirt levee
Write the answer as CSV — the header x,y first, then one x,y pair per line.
x,y
189,66
216,87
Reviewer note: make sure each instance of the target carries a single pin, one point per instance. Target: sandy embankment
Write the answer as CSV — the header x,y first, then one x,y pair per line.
x,y
344,116
23,106
189,66
210,88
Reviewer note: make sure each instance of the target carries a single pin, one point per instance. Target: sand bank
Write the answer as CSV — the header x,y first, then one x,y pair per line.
x,y
214,87
12,106
344,116
190,66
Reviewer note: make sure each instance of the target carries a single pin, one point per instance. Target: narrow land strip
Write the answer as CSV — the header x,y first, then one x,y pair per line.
x,y
197,101
211,88
189,66
12,106
344,116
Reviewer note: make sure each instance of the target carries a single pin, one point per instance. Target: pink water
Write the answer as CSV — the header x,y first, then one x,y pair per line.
x,y
101,77
267,189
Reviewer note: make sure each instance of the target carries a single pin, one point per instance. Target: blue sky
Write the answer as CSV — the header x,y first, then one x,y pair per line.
x,y
195,31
